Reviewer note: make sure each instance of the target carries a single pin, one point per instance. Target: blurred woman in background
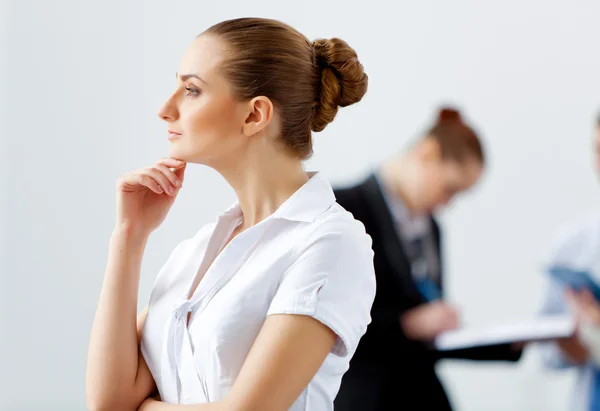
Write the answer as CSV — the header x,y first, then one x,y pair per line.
x,y
393,367
578,248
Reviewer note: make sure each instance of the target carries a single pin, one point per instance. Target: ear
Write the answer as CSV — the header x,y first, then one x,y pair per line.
x,y
260,113
429,150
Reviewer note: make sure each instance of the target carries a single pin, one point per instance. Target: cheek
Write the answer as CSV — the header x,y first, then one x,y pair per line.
x,y
210,129
433,186
209,118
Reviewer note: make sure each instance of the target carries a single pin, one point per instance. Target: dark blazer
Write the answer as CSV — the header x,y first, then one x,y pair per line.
x,y
388,370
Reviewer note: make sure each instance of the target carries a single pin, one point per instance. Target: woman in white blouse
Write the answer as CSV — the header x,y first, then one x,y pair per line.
x,y
262,309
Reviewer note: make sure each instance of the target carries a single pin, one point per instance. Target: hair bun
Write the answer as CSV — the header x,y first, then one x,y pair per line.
x,y
448,114
343,80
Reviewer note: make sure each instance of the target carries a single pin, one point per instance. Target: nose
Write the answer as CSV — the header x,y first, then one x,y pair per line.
x,y
168,112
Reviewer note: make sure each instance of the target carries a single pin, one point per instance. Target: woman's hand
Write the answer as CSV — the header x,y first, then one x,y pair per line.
x,y
427,321
587,313
145,196
586,308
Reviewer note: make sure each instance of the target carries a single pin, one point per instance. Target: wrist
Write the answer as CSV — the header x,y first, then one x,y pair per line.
x,y
125,233
127,230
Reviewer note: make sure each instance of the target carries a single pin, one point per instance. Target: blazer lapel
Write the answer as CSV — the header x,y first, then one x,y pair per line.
x,y
438,246
392,245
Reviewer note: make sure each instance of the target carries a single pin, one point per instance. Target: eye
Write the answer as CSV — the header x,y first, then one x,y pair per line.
x,y
191,91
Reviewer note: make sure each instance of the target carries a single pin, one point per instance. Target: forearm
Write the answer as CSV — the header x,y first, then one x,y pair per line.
x,y
113,350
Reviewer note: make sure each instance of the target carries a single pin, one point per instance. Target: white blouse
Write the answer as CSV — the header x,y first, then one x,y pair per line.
x,y
310,257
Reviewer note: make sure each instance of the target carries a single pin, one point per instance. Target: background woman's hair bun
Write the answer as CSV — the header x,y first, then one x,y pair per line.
x,y
343,80
449,114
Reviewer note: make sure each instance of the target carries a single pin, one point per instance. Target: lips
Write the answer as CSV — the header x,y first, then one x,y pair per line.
x,y
173,134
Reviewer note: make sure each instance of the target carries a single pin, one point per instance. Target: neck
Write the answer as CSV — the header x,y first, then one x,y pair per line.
x,y
262,181
396,173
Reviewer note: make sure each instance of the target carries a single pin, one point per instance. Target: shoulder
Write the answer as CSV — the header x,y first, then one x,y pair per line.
x,y
338,249
339,232
577,242
331,277
578,232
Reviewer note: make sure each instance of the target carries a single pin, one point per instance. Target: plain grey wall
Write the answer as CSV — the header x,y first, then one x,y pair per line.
x,y
86,79
4,198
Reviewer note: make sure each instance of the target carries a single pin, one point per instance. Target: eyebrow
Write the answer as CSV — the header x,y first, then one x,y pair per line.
x,y
184,77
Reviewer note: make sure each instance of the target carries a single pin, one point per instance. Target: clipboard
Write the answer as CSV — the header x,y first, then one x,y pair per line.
x,y
548,327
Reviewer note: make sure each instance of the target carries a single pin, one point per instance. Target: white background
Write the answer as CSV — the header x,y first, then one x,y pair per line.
x,y
84,81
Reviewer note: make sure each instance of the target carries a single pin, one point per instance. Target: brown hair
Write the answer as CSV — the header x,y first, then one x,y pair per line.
x,y
457,140
306,81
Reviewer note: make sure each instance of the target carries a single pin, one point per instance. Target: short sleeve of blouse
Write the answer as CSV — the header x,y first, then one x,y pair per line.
x,y
332,280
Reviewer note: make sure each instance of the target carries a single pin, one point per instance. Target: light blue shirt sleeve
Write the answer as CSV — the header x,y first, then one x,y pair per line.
x,y
576,248
554,303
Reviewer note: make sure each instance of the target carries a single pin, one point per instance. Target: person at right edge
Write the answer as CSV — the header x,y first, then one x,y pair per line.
x,y
394,365
577,246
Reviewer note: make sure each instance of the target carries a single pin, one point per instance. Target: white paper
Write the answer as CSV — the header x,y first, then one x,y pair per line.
x,y
536,329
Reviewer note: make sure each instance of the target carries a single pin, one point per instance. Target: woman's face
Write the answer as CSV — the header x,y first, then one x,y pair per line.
x,y
441,181
436,180
205,121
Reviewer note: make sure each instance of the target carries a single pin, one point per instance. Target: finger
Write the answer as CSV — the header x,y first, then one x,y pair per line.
x,y
178,166
571,297
171,162
169,174
453,320
450,310
587,296
450,325
147,181
594,315
590,312
161,180
180,172
584,302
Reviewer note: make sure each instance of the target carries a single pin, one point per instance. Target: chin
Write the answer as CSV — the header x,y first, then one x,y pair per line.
x,y
179,154
190,158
